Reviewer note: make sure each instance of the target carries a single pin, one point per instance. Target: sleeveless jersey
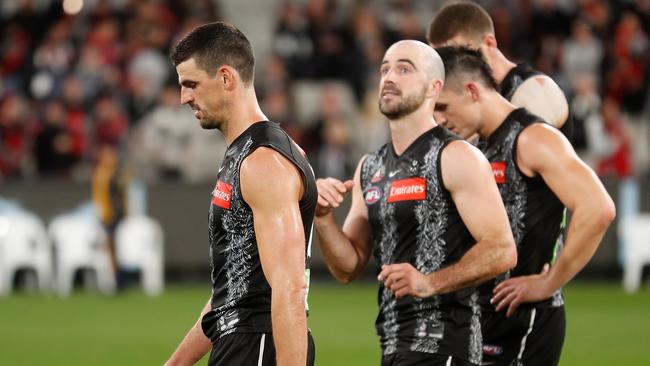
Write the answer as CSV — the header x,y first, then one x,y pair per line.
x,y
413,219
513,80
536,214
241,295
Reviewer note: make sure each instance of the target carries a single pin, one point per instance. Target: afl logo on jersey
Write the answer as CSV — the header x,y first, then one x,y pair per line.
x,y
222,194
373,195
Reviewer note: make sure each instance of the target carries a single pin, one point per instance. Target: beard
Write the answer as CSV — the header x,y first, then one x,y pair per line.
x,y
215,121
209,124
403,108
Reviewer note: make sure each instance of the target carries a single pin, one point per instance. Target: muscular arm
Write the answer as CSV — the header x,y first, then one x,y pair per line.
x,y
272,187
468,176
544,98
544,151
346,251
194,346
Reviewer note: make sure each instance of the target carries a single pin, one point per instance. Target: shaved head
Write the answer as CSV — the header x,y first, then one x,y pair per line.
x,y
412,74
422,55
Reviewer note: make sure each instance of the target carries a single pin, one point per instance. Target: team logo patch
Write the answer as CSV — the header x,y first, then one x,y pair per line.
x,y
221,195
490,350
409,189
373,195
499,171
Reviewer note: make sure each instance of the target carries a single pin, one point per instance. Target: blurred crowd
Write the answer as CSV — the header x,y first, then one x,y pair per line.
x,y
74,86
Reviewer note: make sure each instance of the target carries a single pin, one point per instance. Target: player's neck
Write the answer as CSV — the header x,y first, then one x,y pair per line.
x,y
500,66
245,111
495,109
407,129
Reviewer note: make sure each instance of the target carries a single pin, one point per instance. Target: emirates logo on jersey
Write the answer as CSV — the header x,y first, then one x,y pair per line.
x,y
409,189
222,194
499,171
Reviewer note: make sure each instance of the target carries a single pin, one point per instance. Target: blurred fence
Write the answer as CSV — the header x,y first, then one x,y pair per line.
x,y
182,210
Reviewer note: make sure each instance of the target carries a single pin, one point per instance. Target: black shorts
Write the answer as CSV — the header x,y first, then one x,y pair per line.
x,y
250,349
421,358
530,337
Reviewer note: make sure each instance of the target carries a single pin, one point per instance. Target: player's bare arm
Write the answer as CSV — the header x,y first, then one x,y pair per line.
x,y
194,346
544,98
545,151
272,187
468,176
346,251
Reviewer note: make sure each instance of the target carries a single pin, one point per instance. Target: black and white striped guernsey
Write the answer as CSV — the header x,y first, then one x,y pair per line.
x,y
536,214
413,219
241,295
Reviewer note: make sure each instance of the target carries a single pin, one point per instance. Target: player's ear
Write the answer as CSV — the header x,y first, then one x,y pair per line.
x,y
489,41
227,76
473,90
435,88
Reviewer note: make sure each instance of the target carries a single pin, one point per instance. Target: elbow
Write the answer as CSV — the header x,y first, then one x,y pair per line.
x,y
294,291
344,277
509,255
607,214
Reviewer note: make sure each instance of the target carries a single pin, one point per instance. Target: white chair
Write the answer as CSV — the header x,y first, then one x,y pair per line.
x,y
635,231
23,245
139,245
81,243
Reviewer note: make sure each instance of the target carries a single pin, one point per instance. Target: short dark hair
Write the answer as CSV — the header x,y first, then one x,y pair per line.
x,y
464,18
460,61
216,44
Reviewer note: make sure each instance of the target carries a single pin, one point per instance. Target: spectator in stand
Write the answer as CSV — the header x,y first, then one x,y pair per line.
x,y
110,122
76,118
618,162
53,147
627,83
582,53
291,41
618,165
16,124
330,57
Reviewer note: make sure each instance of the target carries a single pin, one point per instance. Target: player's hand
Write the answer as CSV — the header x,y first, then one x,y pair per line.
x,y
331,193
403,279
519,290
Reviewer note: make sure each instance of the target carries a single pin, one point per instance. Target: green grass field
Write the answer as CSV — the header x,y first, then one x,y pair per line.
x,y
605,326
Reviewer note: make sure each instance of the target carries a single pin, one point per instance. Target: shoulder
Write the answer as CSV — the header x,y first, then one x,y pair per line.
x,y
267,170
265,161
464,168
543,97
539,133
460,149
541,144
540,84
459,159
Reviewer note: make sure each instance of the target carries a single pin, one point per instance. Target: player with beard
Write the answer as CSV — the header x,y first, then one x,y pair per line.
x,y
259,229
426,205
538,174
